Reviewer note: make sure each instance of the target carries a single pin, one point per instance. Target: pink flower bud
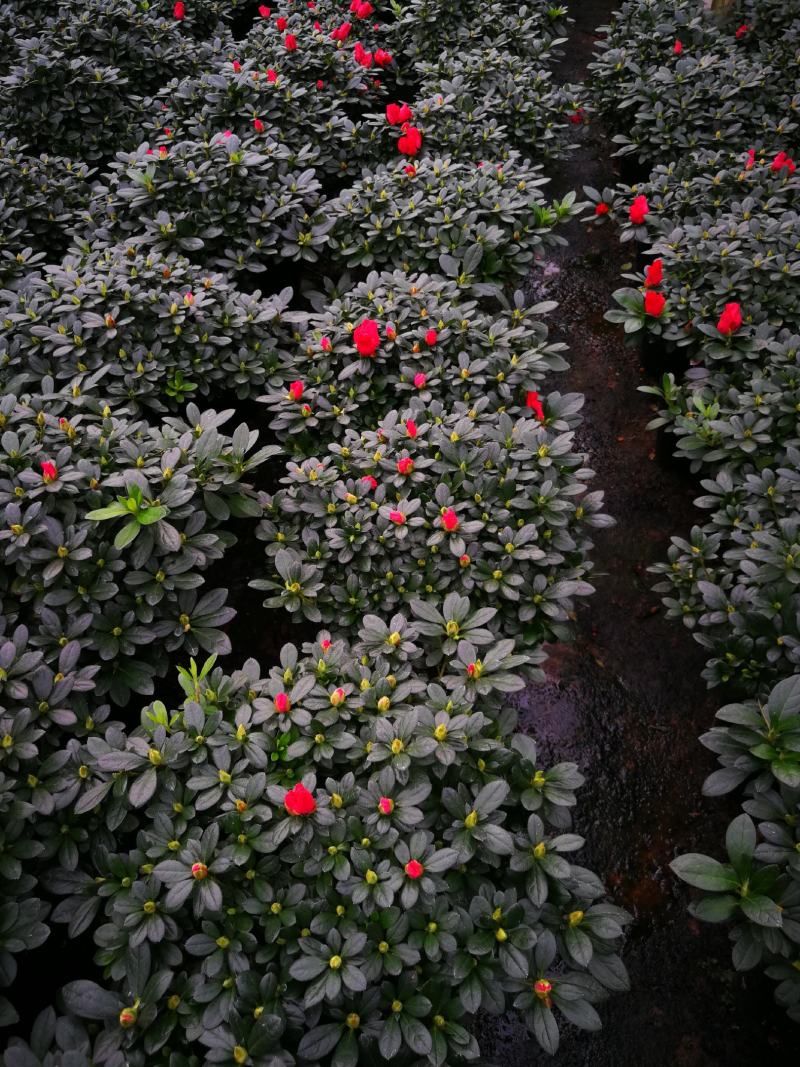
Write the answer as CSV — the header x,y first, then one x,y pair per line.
x,y
450,520
397,517
420,380
282,703
386,805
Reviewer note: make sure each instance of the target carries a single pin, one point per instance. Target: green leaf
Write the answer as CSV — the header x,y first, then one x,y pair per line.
x,y
703,872
740,842
715,909
127,534
762,910
113,511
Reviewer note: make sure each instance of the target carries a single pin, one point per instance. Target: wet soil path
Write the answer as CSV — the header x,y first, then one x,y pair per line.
x,y
626,700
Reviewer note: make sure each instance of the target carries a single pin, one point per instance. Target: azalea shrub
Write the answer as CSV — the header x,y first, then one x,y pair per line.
x,y
40,201
394,337
434,502
757,889
227,204
108,525
140,328
475,223
341,858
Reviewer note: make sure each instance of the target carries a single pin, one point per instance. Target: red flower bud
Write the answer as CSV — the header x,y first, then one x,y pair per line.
x,y
602,209
420,380
342,31
366,337
290,41
298,801
677,48
364,10
751,159
199,871
542,988
325,644
405,465
782,161
414,869
411,141
743,29
386,805
272,75
464,561
411,170
411,428
320,83
296,390
638,209
49,471
264,11
397,517
258,125
533,402
325,344
127,1018
282,703
431,337
382,58
371,482
281,23
237,66
730,320
179,11
450,520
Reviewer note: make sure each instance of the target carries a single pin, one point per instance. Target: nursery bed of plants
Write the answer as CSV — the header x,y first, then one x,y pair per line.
x,y
276,339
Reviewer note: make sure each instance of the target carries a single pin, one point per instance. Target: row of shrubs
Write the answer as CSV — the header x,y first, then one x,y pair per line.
x,y
351,856
718,221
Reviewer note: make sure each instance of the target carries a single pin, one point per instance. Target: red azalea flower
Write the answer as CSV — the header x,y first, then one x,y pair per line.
x,y
364,10
464,561
751,159
411,428
782,160
179,11
654,274
386,805
411,170
730,320
371,482
341,32
577,116
405,465
325,344
264,11
296,390
396,114
411,141
354,5
602,209
638,209
677,48
317,26
361,56
199,871
188,299
282,703
338,697
290,41
414,869
298,801
533,402
420,380
367,338
397,517
281,23
272,76
382,57
320,83
450,520
391,333
741,31
49,471
431,337
237,66
258,125
654,303
325,644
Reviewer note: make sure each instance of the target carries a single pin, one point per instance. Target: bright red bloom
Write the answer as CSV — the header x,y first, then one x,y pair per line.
x,y
411,141
405,465
237,66
298,801
49,471
542,987
361,56
638,209
272,76
751,159
364,10
782,160
450,520
396,114
367,338
325,644
179,11
654,303
414,869
341,32
371,482
382,57
411,170
602,209
741,31
281,23
386,805
678,48
354,5
431,337
533,402
317,26
282,703
290,41
420,380
397,517
264,11
325,344
296,390
320,83
258,125
730,320
654,275
411,428
577,116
